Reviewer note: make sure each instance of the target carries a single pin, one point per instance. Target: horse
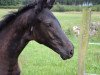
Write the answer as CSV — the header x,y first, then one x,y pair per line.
x,y
32,22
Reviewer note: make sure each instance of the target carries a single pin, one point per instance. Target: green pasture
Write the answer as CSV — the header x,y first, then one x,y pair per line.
x,y
37,59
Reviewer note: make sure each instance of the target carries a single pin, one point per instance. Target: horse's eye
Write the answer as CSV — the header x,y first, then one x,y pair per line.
x,y
49,25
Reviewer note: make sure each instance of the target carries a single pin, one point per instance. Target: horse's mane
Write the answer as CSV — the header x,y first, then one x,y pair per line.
x,y
12,16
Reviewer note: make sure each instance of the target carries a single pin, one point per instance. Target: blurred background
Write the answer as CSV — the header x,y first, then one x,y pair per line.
x,y
39,60
68,5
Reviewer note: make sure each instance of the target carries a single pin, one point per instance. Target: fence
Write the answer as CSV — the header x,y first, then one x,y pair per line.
x,y
84,41
84,36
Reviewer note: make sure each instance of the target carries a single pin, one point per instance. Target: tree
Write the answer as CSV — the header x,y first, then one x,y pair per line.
x,y
9,2
66,2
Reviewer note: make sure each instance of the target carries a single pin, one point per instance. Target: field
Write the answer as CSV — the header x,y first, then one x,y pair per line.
x,y
37,59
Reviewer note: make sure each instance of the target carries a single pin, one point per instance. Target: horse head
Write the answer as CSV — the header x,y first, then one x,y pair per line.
x,y
47,31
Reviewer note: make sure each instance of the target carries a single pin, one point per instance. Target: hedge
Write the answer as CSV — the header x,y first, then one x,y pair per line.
x,y
64,8
10,7
59,8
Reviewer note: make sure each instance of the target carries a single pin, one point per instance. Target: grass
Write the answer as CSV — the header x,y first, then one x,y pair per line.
x,y
37,59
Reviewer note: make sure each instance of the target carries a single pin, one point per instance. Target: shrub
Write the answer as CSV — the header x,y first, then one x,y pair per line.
x,y
58,8
9,7
96,8
62,8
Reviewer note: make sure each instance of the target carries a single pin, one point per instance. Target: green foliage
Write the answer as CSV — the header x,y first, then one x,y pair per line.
x,y
65,2
70,2
9,7
96,8
77,2
9,2
58,7
63,8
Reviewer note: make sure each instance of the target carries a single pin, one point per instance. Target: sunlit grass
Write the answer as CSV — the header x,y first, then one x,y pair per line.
x,y
37,59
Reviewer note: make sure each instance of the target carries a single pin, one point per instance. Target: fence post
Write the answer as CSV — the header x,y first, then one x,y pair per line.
x,y
83,40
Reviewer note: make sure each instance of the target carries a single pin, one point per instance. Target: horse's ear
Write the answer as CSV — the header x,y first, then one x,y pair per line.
x,y
46,3
50,3
42,3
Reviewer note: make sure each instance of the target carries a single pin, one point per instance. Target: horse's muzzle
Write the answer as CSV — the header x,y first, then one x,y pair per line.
x,y
67,55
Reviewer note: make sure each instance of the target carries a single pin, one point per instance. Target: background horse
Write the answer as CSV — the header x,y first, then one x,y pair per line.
x,y
32,22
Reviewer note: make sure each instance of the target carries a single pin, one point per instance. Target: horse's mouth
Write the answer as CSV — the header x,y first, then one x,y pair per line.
x,y
65,56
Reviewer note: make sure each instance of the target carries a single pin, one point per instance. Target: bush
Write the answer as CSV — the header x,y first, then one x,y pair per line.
x,y
62,8
9,7
96,8
58,8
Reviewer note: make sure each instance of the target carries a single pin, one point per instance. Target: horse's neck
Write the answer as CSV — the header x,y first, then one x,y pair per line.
x,y
12,42
12,36
13,39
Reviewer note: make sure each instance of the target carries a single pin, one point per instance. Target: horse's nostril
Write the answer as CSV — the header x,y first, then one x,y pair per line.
x,y
67,55
71,53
